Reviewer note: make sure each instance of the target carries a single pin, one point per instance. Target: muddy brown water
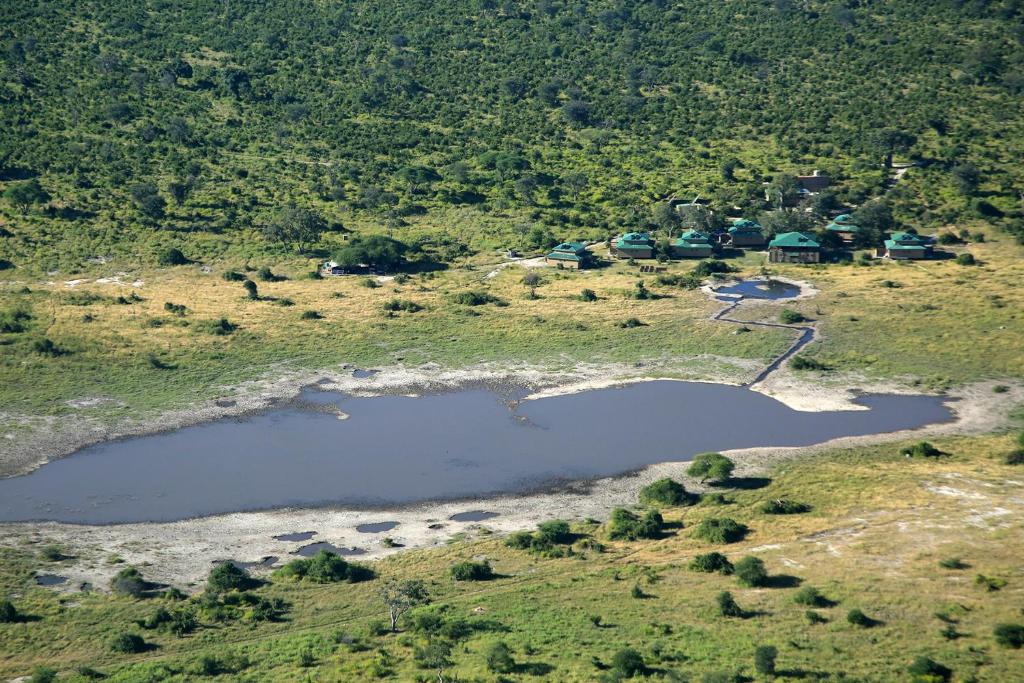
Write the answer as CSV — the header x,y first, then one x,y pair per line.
x,y
396,450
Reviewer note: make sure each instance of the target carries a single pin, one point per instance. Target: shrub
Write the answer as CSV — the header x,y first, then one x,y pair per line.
x,y
811,597
666,493
47,347
14,321
711,562
251,291
472,298
588,295
8,613
727,605
922,449
555,531
227,577
750,572
233,276
127,643
42,674
927,670
712,266
805,363
311,315
395,305
858,618
764,660
1009,635
623,524
175,309
220,328
128,581
711,467
472,571
325,567
790,317
519,540
990,583
628,663
369,283
948,238
720,530
630,323
781,506
499,659
814,618
172,257
966,259
953,563
1015,457
267,275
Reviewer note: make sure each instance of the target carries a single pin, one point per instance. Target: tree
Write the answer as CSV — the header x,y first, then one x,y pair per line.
x,y
401,596
665,492
251,290
172,256
750,571
628,663
555,531
625,525
23,196
8,613
375,251
148,200
891,140
296,225
577,112
525,187
415,177
727,605
666,217
764,660
728,169
720,530
436,655
783,189
925,670
226,576
713,467
576,183
711,562
966,177
127,643
180,189
1010,635
499,658
128,581
472,571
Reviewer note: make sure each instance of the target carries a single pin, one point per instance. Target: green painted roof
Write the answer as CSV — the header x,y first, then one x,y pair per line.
x,y
836,226
794,240
564,256
843,218
571,246
634,240
908,239
693,238
745,226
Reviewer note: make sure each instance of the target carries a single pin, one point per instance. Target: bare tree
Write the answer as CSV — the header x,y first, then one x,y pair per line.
x,y
402,596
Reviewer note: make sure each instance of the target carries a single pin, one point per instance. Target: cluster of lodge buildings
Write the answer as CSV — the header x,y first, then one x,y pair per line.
x,y
787,247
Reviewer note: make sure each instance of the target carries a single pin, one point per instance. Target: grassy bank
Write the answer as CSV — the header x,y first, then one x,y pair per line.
x,y
878,527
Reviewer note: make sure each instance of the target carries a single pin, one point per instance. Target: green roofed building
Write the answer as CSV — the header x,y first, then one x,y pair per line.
x,y
572,255
907,245
634,245
744,233
692,244
844,227
794,247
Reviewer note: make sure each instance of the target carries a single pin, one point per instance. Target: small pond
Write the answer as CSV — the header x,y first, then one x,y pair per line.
x,y
473,516
396,450
761,289
376,527
50,579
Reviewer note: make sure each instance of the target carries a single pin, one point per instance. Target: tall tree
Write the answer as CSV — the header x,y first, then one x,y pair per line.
x,y
24,196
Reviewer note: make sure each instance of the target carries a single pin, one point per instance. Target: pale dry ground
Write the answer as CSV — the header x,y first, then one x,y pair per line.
x,y
181,553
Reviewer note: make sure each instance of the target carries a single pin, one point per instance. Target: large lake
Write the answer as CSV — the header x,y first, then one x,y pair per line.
x,y
395,450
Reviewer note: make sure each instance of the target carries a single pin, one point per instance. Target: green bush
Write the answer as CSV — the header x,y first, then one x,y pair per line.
x,y
43,674
472,571
790,317
727,605
713,467
781,506
325,567
311,315
1009,635
228,577
720,530
711,562
473,298
802,362
8,613
922,449
665,493
750,571
630,323
588,295
395,305
628,663
555,531
1014,457
172,257
814,618
764,660
624,525
520,540
233,276
966,259
128,581
220,328
925,670
127,643
858,618
499,659
14,321
711,267
251,290
810,597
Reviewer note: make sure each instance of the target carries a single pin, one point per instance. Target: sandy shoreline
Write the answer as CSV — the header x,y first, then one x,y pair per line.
x,y
181,553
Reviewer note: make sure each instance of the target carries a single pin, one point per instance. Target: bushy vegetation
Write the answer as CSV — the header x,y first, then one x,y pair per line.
x,y
720,530
472,571
713,467
325,567
626,525
781,506
750,571
665,493
711,562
